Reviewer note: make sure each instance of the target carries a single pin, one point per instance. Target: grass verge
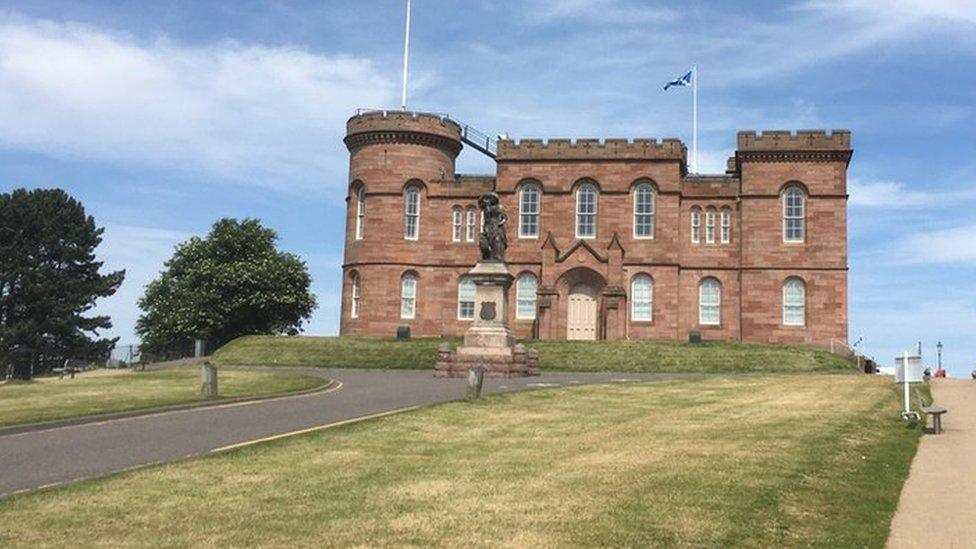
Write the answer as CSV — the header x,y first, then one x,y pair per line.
x,y
52,399
756,461
578,356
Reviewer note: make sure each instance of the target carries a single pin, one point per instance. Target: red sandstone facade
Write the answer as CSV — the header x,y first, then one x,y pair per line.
x,y
768,262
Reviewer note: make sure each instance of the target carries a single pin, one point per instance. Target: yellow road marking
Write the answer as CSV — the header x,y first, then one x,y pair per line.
x,y
313,429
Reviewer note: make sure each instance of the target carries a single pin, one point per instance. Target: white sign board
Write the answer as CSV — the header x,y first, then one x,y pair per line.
x,y
913,373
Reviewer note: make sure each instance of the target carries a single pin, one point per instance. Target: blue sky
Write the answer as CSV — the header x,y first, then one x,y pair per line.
x,y
165,116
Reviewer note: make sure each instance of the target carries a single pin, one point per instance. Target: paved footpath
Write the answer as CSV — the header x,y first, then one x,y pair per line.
x,y
937,507
61,455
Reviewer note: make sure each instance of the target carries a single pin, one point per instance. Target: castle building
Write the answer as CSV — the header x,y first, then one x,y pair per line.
x,y
608,239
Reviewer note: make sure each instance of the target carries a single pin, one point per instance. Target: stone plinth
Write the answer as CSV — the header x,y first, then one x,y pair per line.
x,y
489,343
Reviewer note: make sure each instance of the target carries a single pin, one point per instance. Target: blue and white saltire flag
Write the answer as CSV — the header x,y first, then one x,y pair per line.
x,y
683,81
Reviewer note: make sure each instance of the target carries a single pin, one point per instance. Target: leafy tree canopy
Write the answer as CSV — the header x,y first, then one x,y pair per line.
x,y
234,282
49,276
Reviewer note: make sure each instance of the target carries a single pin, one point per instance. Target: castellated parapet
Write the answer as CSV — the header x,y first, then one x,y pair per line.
x,y
379,127
592,149
801,140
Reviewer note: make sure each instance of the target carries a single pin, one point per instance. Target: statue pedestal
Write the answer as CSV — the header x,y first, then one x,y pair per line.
x,y
488,343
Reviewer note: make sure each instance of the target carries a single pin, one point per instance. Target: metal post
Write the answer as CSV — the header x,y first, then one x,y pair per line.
x,y
406,58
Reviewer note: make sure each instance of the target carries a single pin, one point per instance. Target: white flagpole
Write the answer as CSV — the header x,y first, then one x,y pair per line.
x,y
406,59
694,119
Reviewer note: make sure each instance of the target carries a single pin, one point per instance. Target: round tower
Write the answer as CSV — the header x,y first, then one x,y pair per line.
x,y
395,158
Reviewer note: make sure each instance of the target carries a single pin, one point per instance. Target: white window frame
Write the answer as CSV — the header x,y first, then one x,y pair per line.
x,y
634,301
801,306
587,187
356,295
726,225
472,219
456,214
411,201
794,191
462,282
696,225
408,296
522,299
525,213
360,211
717,305
710,225
649,209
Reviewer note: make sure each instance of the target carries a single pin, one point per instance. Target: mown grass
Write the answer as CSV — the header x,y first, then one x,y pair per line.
x,y
53,399
579,356
757,461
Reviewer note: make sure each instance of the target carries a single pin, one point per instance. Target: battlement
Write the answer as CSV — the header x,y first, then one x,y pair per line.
x,y
802,140
591,149
405,121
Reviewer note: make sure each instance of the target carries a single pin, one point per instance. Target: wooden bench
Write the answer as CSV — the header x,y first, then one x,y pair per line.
x,y
931,410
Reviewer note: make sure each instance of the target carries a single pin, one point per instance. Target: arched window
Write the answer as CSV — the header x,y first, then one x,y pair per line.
x,y
456,214
411,221
529,211
644,211
360,211
695,225
525,296
466,298
586,196
642,298
726,225
356,294
710,226
408,295
794,214
472,220
794,302
709,302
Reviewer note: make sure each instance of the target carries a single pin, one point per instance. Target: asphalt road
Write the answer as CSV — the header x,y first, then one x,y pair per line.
x,y
56,456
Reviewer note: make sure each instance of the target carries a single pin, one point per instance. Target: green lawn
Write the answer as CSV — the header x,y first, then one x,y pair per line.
x,y
581,356
51,399
757,461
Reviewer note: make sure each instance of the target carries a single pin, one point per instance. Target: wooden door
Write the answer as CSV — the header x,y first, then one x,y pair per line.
x,y
581,321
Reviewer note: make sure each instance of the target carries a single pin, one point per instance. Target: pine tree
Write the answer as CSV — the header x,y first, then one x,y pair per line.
x,y
49,277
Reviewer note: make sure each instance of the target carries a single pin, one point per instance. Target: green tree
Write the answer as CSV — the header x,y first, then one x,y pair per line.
x,y
49,276
234,282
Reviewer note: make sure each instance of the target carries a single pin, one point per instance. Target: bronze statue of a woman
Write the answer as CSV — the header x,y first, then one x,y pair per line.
x,y
493,240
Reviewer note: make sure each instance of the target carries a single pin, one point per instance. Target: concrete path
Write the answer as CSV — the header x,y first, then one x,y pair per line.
x,y
938,502
65,454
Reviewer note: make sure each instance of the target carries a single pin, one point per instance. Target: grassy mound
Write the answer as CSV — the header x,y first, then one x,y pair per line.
x,y
578,356
756,461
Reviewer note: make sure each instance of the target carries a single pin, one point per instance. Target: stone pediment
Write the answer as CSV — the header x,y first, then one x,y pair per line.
x,y
581,248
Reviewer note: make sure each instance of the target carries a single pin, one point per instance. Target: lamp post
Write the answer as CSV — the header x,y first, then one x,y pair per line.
x,y
938,348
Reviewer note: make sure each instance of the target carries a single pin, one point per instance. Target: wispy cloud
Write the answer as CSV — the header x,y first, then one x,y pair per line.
x,y
141,251
955,245
896,195
597,11
269,116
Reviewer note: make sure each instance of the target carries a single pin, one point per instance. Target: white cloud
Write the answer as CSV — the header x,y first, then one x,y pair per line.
x,y
895,195
270,116
141,251
955,245
597,11
913,11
